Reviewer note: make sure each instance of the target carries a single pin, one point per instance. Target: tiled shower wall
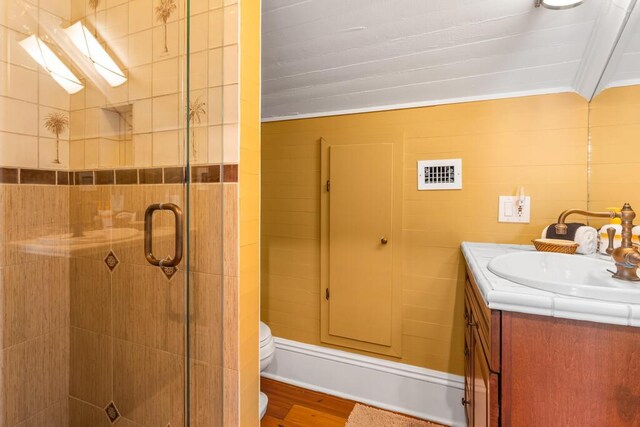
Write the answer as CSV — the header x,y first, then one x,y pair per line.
x,y
152,133
127,322
34,302
79,333
156,83
27,92
86,336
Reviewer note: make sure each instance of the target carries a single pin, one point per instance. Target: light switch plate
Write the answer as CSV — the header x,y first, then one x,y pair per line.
x,y
509,211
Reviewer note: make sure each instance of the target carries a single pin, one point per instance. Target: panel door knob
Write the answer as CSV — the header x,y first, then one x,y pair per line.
x,y
384,241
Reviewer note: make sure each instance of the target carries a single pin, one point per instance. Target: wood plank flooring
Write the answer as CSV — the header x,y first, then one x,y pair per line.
x,y
291,406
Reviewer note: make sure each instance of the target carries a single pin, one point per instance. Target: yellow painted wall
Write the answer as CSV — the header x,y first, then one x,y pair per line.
x,y
539,142
249,192
615,149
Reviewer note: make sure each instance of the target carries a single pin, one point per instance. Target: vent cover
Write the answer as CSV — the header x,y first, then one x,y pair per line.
x,y
440,174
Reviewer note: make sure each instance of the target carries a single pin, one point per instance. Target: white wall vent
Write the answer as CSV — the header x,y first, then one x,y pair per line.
x,y
440,174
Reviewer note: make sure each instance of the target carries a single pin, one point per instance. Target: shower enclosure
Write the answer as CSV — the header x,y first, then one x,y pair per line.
x,y
111,212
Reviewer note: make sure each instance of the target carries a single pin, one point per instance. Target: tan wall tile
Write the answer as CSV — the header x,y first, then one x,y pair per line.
x,y
173,40
231,322
215,113
148,384
199,31
140,15
20,117
18,82
206,319
207,225
91,299
200,69
23,296
231,416
33,376
58,8
91,373
51,93
230,233
56,415
231,21
140,84
205,394
216,28
166,79
147,308
82,414
18,150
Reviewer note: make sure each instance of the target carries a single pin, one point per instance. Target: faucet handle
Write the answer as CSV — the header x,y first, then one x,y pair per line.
x,y
611,233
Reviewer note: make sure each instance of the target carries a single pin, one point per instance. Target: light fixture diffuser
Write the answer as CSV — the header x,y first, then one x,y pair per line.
x,y
559,4
89,46
43,55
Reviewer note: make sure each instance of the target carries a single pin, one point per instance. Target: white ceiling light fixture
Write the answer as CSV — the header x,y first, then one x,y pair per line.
x,y
559,4
93,50
43,55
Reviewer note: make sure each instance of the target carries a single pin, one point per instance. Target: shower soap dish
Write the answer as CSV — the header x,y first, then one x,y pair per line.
x,y
555,245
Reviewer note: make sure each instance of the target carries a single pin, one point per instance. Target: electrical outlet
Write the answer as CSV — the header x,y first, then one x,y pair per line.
x,y
511,210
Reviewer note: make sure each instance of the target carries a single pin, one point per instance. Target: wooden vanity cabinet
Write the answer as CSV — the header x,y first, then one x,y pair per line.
x,y
528,370
482,359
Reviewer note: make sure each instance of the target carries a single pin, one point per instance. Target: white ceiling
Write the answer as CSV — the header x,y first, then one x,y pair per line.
x,y
624,67
322,57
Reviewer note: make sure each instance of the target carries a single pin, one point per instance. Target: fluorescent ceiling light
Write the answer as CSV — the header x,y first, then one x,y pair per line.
x,y
44,56
89,46
559,4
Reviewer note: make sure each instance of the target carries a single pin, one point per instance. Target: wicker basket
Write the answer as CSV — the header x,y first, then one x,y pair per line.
x,y
555,245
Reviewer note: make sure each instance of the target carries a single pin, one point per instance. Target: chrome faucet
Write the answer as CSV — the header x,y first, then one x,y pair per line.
x,y
627,256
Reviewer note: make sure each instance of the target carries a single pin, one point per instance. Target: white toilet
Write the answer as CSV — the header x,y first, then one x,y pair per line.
x,y
267,351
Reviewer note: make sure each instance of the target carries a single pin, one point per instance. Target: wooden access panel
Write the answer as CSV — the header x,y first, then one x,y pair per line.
x,y
361,242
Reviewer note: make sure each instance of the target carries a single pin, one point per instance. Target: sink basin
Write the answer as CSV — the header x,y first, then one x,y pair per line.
x,y
573,275
88,237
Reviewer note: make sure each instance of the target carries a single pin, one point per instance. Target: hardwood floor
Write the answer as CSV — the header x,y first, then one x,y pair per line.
x,y
291,406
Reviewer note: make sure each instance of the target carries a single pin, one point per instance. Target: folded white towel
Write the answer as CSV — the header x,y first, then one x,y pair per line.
x,y
586,238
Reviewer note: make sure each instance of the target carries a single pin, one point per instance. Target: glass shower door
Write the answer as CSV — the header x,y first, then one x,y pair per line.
x,y
107,108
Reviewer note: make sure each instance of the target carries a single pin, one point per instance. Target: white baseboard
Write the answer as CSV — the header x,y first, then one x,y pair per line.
x,y
398,387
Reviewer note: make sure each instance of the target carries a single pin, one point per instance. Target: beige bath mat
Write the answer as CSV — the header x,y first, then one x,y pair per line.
x,y
366,416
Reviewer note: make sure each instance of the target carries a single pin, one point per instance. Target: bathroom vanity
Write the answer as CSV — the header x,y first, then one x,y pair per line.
x,y
537,358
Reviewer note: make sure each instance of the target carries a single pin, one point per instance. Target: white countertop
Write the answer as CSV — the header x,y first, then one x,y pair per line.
x,y
502,294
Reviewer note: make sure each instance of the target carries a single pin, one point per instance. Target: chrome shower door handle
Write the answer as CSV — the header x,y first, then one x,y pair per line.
x,y
148,234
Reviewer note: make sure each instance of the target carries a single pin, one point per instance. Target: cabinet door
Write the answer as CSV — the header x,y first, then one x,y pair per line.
x,y
484,398
480,373
468,362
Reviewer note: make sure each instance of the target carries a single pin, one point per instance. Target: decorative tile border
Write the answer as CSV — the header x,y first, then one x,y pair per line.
x,y
168,175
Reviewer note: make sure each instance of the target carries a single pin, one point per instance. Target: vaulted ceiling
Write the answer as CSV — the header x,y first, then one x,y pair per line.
x,y
323,57
624,66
